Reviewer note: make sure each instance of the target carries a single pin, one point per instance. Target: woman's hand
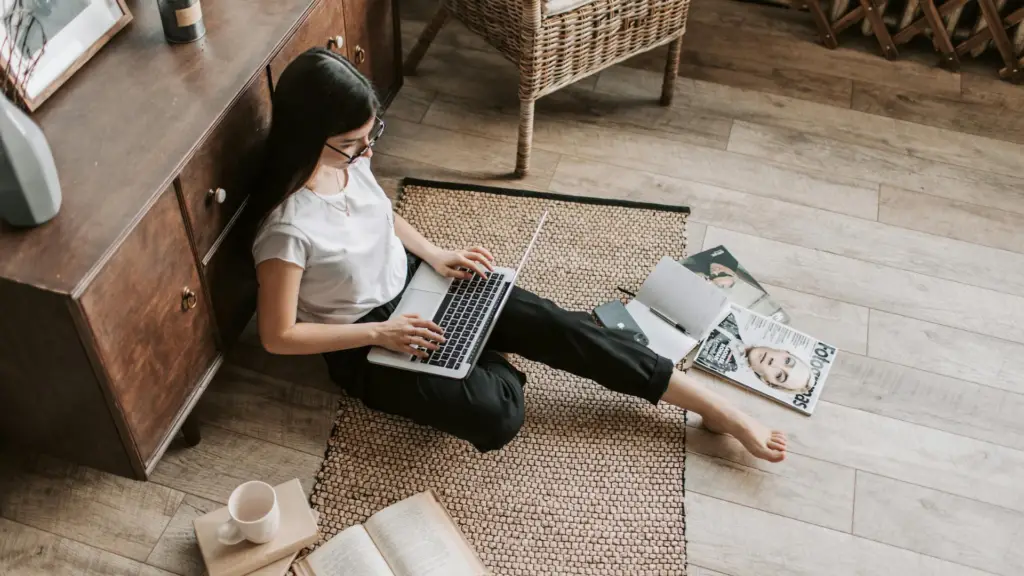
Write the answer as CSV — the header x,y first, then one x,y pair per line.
x,y
404,333
462,263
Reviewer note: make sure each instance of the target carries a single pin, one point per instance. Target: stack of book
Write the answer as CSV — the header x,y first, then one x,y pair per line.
x,y
297,530
710,309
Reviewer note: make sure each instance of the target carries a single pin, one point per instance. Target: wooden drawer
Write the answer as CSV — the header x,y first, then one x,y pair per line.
x,y
216,181
373,43
325,22
154,342
231,279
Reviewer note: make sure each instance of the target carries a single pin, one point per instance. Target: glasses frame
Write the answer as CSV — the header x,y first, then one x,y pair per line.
x,y
378,130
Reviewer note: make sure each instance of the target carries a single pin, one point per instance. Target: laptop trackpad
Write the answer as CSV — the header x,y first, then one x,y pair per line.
x,y
419,302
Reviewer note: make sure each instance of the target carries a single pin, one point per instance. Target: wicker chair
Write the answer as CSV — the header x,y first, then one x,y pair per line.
x,y
555,50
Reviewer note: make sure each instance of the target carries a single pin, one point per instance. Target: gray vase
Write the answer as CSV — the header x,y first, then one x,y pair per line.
x,y
29,187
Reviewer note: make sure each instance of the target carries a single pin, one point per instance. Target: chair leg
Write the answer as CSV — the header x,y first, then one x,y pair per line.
x,y
525,137
675,50
426,37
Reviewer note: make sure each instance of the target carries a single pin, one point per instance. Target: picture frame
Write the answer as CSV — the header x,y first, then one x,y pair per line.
x,y
44,42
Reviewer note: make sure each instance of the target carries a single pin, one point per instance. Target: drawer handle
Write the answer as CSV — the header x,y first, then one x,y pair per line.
x,y
218,195
335,42
360,54
188,299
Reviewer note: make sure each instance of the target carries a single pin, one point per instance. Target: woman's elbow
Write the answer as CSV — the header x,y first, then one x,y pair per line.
x,y
274,342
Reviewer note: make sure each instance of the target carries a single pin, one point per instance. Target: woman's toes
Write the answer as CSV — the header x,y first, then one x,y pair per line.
x,y
775,444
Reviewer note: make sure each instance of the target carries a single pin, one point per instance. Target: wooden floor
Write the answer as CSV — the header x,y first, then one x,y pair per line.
x,y
881,202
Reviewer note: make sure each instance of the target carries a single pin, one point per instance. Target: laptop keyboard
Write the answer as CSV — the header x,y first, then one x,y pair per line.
x,y
461,316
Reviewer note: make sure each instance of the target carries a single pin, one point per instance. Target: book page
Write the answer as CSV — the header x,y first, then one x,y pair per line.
x,y
683,296
418,538
350,552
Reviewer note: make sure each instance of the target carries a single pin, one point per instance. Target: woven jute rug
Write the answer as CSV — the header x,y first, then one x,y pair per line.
x,y
593,484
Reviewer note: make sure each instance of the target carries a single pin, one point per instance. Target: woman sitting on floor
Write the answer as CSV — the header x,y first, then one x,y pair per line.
x,y
333,259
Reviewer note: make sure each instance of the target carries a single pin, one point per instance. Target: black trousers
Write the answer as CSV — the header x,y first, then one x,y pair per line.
x,y
486,407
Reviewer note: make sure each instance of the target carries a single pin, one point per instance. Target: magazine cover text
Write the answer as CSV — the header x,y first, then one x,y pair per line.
x,y
768,357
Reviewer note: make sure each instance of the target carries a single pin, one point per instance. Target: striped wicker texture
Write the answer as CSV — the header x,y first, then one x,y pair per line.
x,y
557,50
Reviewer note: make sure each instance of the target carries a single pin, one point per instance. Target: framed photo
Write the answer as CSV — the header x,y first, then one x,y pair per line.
x,y
44,42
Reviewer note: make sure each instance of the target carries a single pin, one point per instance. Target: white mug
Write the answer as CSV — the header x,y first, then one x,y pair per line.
x,y
255,515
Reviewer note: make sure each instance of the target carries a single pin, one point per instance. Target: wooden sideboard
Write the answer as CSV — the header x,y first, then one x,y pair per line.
x,y
115,315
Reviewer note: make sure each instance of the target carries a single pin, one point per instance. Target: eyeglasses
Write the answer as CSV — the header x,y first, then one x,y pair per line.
x,y
375,132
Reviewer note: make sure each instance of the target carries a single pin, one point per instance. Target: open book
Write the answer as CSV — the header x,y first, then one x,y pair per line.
x,y
720,267
413,537
768,357
676,309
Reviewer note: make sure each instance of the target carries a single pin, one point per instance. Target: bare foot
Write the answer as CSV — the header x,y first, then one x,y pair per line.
x,y
758,439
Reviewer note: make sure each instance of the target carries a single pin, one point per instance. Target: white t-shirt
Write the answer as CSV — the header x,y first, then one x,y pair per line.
x,y
352,263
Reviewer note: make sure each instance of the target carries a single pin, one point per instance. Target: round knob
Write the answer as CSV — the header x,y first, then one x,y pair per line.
x,y
218,195
360,55
188,299
335,42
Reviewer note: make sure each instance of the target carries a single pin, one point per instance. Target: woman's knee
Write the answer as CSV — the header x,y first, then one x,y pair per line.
x,y
499,410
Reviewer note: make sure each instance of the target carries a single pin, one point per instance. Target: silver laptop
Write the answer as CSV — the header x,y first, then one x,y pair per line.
x,y
466,311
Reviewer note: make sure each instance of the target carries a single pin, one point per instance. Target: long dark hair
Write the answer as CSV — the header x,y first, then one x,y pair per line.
x,y
319,95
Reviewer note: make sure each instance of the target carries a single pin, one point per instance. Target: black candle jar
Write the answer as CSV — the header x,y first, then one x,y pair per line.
x,y
182,20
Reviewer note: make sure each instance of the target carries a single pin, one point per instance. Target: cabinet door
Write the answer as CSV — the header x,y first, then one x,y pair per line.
x,y
372,43
216,181
152,327
324,24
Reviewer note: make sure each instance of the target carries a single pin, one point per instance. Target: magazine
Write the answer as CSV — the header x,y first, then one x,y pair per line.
x,y
767,357
721,268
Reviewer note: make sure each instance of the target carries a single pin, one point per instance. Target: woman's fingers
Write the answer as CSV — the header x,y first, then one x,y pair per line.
x,y
481,258
483,251
410,349
428,334
422,343
421,323
467,263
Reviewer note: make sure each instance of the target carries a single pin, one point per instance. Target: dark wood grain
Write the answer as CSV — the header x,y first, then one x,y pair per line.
x,y
154,349
229,160
230,274
112,164
325,21
50,399
373,43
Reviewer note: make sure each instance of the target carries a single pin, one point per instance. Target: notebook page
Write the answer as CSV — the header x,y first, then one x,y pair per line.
x,y
418,538
662,338
683,296
350,552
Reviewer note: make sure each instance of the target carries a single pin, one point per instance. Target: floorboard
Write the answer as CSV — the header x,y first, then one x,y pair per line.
x,y
804,226
802,488
26,551
968,356
743,541
810,152
945,302
951,219
956,529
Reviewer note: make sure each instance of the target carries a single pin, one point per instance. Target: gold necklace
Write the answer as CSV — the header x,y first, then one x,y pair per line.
x,y
341,190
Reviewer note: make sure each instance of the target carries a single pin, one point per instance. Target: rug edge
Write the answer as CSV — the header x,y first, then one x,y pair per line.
x,y
411,181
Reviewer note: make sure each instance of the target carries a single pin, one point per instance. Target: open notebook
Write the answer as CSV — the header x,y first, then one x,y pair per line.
x,y
677,309
413,537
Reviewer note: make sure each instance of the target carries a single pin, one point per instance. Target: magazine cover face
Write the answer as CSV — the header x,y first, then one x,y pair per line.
x,y
721,268
768,357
